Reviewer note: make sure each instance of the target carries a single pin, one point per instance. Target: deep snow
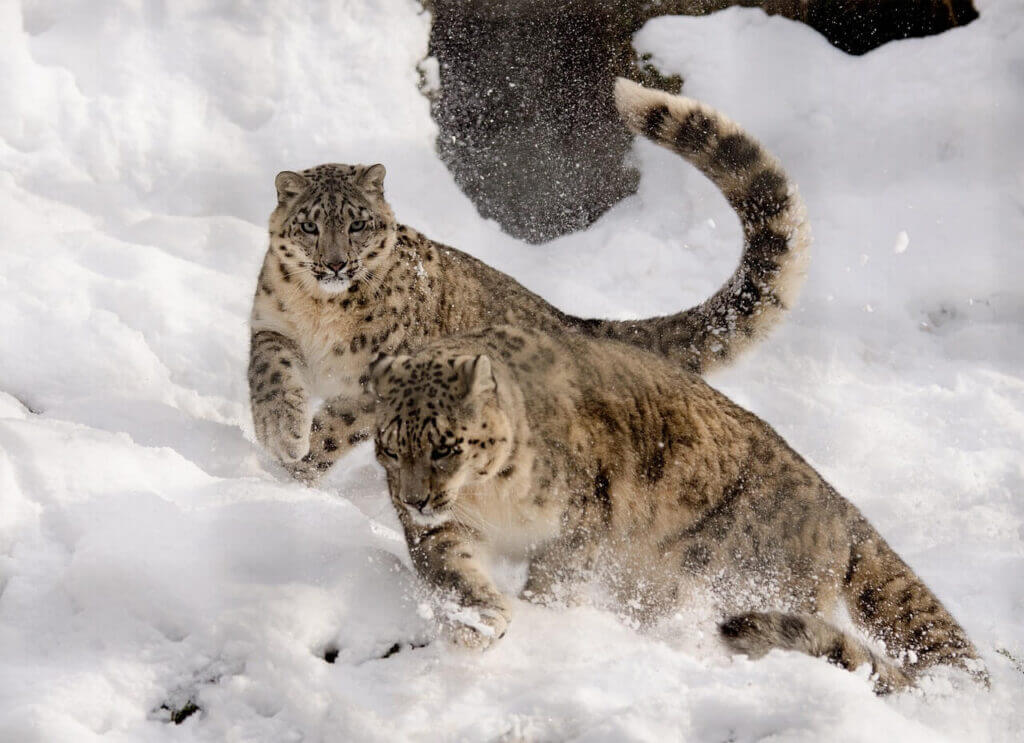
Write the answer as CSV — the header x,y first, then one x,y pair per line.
x,y
150,554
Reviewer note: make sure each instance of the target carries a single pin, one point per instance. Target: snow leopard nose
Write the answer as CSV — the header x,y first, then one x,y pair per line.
x,y
336,267
416,501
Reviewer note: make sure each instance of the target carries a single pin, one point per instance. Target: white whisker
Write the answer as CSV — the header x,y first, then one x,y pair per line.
x,y
475,520
300,269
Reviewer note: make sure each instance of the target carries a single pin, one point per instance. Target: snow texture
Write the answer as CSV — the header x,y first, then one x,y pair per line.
x,y
154,563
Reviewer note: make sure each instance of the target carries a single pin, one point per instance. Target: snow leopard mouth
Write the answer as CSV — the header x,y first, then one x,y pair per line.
x,y
429,516
332,284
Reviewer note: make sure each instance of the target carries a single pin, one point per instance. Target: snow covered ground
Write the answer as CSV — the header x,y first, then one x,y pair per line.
x,y
151,556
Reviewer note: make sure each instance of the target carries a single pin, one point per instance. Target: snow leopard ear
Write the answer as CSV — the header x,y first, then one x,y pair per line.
x,y
380,366
289,185
372,178
479,376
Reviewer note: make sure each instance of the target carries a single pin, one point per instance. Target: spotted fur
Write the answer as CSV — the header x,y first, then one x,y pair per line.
x,y
776,234
342,282
587,457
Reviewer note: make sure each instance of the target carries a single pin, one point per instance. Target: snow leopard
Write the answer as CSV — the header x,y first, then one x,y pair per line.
x,y
343,281
593,460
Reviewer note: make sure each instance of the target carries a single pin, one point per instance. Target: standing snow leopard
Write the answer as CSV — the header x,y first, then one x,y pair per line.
x,y
591,459
342,281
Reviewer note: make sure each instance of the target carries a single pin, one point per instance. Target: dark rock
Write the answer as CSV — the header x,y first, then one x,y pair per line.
x,y
527,124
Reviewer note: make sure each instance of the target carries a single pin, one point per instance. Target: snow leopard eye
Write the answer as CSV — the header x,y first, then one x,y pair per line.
x,y
357,225
309,228
441,452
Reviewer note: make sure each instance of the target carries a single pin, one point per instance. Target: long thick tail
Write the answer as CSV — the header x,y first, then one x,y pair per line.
x,y
775,229
756,633
888,601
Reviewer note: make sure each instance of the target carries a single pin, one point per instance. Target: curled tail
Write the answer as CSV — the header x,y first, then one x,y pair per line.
x,y
775,230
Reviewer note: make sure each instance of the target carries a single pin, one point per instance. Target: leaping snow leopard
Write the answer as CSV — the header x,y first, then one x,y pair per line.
x,y
343,281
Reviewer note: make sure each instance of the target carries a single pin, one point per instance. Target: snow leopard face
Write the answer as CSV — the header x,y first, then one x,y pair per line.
x,y
439,428
332,227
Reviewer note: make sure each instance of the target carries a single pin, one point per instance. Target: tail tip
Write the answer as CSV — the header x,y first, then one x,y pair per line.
x,y
635,104
747,634
734,627
624,87
631,98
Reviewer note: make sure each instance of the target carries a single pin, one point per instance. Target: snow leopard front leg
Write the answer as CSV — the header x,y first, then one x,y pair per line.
x,y
556,571
279,395
340,424
447,558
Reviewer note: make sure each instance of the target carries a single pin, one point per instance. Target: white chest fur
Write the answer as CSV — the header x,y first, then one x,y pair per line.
x,y
511,522
322,330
